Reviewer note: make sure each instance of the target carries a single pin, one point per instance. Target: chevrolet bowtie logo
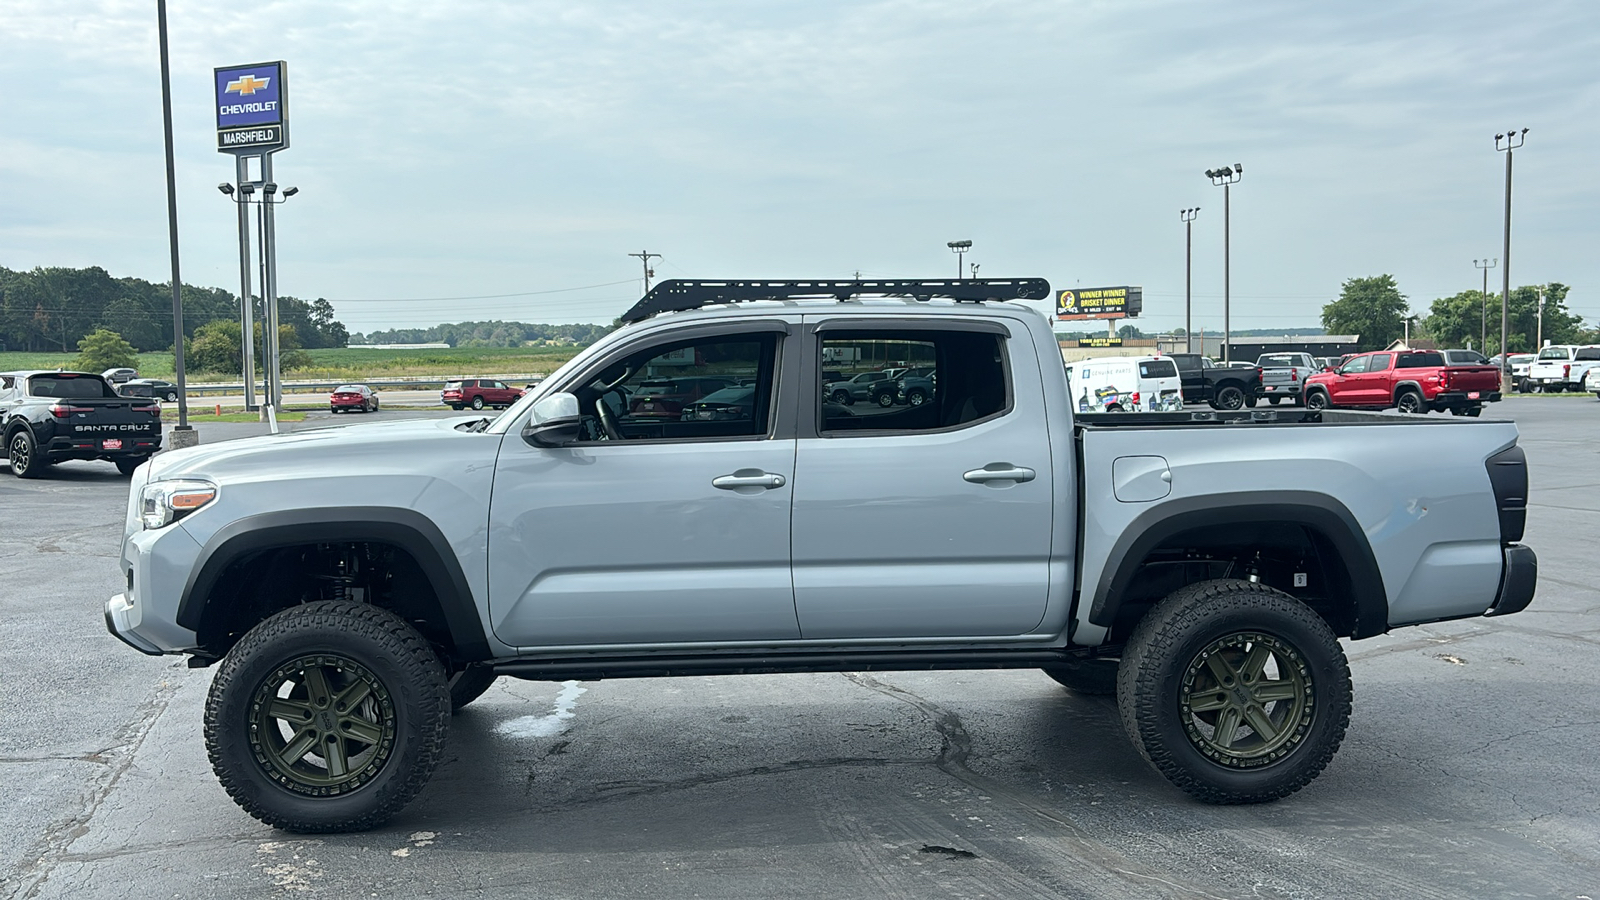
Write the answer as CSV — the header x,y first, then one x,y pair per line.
x,y
245,85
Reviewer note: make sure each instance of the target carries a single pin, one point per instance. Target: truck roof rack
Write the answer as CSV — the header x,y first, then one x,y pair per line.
x,y
684,294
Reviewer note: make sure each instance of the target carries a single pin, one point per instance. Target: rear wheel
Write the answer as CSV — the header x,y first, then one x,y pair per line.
x,y
27,461
1410,402
1474,411
477,403
1273,401
126,464
1229,397
917,398
328,716
885,399
1235,692
842,398
1316,400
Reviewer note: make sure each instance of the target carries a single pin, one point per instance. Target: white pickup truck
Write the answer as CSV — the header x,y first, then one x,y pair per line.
x,y
1561,368
354,584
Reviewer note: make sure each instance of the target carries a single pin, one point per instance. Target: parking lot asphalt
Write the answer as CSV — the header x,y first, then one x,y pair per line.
x,y
1470,768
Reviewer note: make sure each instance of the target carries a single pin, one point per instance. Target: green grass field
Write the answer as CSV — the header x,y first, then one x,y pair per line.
x,y
348,364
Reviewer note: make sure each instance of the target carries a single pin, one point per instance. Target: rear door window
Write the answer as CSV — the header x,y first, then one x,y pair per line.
x,y
1379,362
1588,353
966,380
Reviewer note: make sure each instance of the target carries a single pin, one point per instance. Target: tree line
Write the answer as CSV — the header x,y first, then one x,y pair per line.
x,y
1376,310
485,334
52,309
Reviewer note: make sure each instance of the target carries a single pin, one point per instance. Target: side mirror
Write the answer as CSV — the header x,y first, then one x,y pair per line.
x,y
554,421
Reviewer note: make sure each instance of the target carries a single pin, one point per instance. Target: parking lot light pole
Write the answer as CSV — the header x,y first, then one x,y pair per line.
x,y
1507,142
1485,265
247,328
959,248
1226,178
1188,275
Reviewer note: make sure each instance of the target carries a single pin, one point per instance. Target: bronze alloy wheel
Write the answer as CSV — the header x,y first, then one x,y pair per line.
x,y
322,725
1246,700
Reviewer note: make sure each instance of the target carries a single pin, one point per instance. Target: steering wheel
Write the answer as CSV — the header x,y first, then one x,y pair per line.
x,y
608,419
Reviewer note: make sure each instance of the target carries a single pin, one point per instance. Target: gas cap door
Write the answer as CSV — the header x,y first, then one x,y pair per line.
x,y
1140,479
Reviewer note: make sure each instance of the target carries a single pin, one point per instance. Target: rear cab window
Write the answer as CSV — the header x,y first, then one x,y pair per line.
x,y
70,386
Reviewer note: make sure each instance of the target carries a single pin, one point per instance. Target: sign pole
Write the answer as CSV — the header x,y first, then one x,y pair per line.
x,y
182,435
269,289
247,306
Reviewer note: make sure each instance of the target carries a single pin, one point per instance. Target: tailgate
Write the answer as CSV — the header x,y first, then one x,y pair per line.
x,y
1474,378
109,419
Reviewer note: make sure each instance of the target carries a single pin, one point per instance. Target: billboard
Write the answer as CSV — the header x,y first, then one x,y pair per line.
x,y
1100,342
252,108
1100,303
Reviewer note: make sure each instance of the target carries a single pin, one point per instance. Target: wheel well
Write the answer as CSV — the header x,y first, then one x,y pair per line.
x,y
256,584
1269,553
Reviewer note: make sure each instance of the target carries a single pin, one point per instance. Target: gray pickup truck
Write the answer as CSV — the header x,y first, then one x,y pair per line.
x,y
1283,375
357,583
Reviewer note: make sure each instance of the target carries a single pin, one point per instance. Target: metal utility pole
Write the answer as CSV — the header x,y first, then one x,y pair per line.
x,y
1507,142
247,304
1188,216
959,248
1485,265
1539,343
1226,178
183,435
644,257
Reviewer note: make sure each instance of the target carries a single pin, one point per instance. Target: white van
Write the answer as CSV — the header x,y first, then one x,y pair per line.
x,y
1126,384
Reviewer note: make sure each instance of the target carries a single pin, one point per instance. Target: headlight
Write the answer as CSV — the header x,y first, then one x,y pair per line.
x,y
163,502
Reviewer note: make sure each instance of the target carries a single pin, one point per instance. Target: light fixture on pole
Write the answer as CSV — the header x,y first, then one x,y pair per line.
x,y
974,268
1485,265
1188,216
1225,178
1507,142
959,248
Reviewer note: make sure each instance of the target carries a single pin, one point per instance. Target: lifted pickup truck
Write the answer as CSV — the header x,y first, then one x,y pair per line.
x,y
50,417
1200,566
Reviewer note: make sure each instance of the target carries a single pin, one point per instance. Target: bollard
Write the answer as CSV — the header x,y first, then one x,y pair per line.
x,y
219,409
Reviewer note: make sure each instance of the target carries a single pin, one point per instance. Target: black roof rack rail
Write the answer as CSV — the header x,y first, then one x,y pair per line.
x,y
683,294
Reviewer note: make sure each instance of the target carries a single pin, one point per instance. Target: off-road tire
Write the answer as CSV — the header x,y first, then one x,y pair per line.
x,y
468,684
1095,677
27,461
1166,669
407,704
1316,400
126,464
1229,397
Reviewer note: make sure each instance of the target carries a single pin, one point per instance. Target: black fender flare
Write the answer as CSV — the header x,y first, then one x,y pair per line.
x,y
1318,512
1403,386
405,528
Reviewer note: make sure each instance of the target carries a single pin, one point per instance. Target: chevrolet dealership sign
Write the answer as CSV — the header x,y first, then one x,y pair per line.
x,y
252,108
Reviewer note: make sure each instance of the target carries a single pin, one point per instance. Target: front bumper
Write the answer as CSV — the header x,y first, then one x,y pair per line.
x,y
1518,579
156,565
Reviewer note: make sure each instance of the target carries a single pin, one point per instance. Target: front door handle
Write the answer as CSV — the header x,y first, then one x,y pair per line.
x,y
747,479
999,472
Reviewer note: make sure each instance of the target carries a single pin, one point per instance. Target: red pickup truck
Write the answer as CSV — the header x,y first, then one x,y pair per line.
x,y
1413,381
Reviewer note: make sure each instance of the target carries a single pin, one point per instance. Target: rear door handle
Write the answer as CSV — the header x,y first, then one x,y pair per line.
x,y
999,472
747,479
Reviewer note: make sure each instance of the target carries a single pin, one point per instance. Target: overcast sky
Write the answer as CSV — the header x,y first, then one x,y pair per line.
x,y
468,149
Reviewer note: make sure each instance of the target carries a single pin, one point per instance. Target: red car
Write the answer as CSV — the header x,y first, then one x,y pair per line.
x,y
478,393
1412,381
347,397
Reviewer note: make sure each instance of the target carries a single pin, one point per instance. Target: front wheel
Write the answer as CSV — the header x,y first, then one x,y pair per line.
x,y
1235,692
326,717
885,400
917,398
172,397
